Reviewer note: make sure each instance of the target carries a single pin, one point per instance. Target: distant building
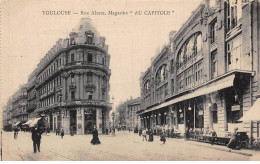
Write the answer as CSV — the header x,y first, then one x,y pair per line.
x,y
127,117
208,74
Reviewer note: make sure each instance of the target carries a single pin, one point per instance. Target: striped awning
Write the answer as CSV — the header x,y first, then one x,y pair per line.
x,y
253,114
17,123
28,122
34,122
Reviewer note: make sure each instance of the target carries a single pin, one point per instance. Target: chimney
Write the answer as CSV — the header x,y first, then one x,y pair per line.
x,y
207,3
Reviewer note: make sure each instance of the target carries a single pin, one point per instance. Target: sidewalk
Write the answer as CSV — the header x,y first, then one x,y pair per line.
x,y
246,152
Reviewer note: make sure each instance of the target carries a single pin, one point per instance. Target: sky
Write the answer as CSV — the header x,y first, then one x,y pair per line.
x,y
27,35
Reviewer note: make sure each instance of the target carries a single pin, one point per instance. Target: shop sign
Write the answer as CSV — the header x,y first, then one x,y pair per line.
x,y
235,108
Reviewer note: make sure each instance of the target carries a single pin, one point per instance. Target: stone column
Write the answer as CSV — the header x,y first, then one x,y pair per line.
x,y
80,121
99,120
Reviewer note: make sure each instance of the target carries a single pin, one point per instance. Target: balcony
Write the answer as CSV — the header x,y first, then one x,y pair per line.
x,y
87,102
72,86
89,85
91,64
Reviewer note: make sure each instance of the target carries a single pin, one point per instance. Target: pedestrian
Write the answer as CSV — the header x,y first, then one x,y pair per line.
x,y
233,140
213,136
187,133
95,139
140,132
36,138
150,138
163,138
144,134
16,130
62,133
56,131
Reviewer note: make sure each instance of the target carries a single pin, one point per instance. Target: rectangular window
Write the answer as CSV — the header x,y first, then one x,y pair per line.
x,y
72,79
90,95
172,85
73,95
234,53
180,79
90,57
67,58
213,29
214,64
72,57
89,39
89,77
215,116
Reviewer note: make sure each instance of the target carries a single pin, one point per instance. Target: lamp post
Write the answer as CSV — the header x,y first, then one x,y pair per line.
x,y
113,118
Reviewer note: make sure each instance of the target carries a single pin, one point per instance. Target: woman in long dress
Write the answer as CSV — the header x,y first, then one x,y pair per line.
x,y
95,139
163,138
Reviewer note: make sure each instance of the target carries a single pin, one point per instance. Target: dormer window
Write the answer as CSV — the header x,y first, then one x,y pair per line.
x,y
89,37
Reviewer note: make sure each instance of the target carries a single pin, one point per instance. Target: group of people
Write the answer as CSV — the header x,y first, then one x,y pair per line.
x,y
60,132
150,134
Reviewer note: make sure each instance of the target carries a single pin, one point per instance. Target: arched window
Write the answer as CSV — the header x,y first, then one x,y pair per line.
x,y
161,74
198,44
189,49
147,86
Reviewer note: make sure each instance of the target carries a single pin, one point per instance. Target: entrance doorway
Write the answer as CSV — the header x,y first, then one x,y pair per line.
x,y
90,120
73,121
51,122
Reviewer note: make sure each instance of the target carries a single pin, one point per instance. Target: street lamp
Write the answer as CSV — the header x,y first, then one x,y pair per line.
x,y
113,118
113,128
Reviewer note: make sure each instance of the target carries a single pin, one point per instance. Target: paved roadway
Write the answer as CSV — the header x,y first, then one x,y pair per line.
x,y
123,147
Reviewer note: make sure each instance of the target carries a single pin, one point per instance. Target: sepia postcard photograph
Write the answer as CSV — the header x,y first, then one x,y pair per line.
x,y
130,80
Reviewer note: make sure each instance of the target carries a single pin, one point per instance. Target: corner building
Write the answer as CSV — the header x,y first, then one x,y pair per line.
x,y
207,77
70,86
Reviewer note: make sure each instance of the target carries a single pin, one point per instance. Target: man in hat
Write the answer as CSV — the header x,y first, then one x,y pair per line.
x,y
36,138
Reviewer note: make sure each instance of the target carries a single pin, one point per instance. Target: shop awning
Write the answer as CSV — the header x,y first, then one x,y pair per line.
x,y
218,85
17,123
253,114
28,122
34,122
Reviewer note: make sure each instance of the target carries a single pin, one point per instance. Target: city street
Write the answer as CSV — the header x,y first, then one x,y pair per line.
x,y
124,146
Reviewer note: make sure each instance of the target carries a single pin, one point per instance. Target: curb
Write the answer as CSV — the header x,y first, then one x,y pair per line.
x,y
223,149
